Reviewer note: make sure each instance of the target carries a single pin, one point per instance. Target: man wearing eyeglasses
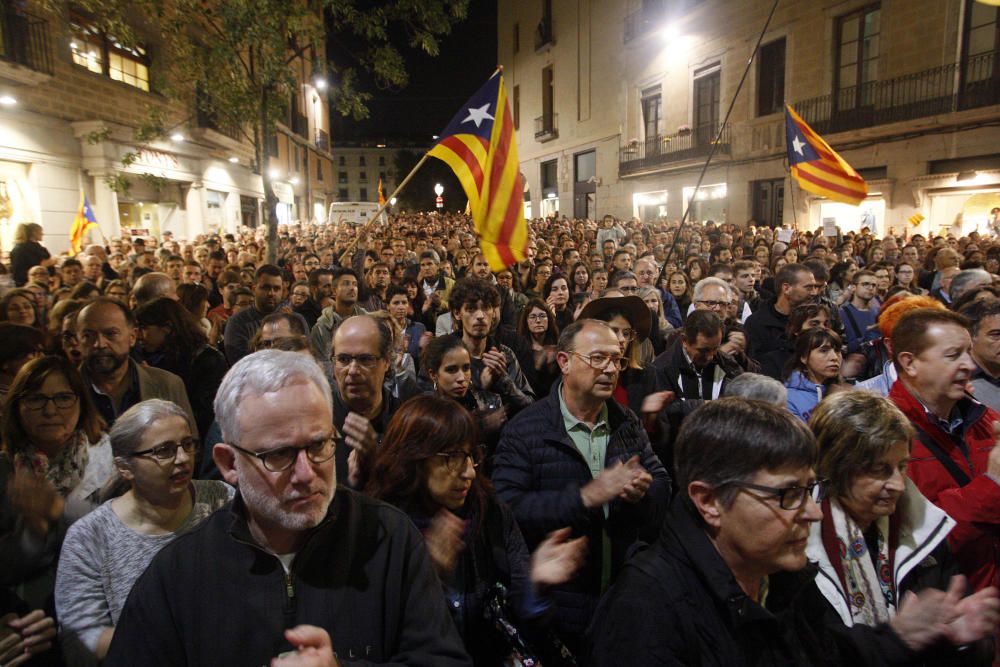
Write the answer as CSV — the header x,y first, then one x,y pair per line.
x,y
693,367
291,573
577,458
859,314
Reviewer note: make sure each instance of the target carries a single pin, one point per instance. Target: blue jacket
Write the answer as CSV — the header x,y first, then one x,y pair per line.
x,y
803,395
539,473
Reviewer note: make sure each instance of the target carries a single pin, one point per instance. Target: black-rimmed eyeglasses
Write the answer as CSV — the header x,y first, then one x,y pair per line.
x,y
167,451
283,458
789,497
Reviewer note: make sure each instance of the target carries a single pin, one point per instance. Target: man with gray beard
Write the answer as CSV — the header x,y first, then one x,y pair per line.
x,y
106,331
295,571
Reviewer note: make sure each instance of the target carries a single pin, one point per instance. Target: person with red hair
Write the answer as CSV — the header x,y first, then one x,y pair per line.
x,y
889,315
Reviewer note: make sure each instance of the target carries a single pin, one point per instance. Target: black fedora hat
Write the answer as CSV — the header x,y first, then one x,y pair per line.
x,y
632,307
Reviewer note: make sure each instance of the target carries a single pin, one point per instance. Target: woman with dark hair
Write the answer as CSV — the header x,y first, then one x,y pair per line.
x,y
906,277
580,283
117,290
802,318
697,268
841,277
194,298
105,552
449,366
18,306
85,291
679,286
537,324
21,344
556,295
169,338
427,466
540,275
815,367
56,459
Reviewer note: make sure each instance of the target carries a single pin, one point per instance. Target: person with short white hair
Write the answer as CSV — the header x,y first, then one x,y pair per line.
x,y
311,571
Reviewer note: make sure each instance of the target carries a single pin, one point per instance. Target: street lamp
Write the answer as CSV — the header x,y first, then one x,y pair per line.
x,y
439,190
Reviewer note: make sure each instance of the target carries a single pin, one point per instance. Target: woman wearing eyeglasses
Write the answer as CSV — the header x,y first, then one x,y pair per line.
x,y
879,537
56,459
538,325
428,467
106,551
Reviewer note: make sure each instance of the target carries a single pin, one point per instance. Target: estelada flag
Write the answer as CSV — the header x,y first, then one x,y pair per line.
x,y
480,146
381,195
82,223
817,167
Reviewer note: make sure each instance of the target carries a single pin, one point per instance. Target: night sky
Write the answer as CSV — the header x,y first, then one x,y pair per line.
x,y
438,86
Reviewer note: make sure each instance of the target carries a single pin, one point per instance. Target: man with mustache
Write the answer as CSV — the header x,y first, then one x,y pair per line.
x,y
954,460
295,571
106,331
577,458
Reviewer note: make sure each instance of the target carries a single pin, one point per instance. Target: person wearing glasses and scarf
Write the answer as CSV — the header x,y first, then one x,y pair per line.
x,y
106,551
429,465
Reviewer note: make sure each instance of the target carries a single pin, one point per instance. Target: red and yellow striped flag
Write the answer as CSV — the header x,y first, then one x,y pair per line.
x,y
82,223
381,195
480,146
817,167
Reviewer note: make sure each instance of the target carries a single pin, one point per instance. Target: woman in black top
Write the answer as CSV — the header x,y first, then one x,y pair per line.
x,y
27,251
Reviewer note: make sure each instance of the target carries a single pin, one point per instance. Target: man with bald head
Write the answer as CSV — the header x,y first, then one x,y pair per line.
x,y
152,286
362,406
106,330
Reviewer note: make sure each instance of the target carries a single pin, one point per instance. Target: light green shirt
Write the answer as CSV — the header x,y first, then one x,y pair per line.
x,y
591,442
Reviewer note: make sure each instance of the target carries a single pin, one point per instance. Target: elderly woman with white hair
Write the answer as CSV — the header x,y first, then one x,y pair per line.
x,y
153,444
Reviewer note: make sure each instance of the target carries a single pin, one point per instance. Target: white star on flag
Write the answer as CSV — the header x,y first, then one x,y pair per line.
x,y
798,144
478,115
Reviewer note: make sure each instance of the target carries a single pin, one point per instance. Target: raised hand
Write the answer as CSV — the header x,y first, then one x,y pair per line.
x,y
558,558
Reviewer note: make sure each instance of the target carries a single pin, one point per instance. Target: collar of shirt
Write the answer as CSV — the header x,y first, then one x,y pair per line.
x,y
981,373
951,425
571,422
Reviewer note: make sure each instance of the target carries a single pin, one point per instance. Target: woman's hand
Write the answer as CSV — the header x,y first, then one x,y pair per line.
x,y
557,559
977,617
36,500
444,541
23,638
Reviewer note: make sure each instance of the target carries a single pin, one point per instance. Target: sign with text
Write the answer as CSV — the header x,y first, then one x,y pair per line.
x,y
829,226
351,212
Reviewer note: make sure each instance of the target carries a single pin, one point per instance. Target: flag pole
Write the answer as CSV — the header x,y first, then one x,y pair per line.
x,y
718,139
364,228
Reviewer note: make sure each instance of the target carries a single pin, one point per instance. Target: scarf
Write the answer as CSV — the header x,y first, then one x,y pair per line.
x,y
871,594
64,470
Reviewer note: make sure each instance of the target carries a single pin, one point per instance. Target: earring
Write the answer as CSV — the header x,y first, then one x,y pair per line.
x,y
435,386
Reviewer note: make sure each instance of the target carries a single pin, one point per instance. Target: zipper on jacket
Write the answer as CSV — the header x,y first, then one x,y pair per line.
x,y
289,587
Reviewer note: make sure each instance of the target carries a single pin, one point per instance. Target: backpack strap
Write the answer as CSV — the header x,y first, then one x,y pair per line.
x,y
956,472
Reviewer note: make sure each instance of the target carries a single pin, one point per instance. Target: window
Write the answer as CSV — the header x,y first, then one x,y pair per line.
x,y
585,166
547,88
103,54
981,60
342,194
342,161
651,100
550,181
706,104
364,195
771,78
214,199
857,57
319,170
272,144
361,161
381,160
382,177
342,177
516,104
363,176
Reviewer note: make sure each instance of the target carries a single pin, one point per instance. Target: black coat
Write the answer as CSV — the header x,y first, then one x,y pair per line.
x,y
678,603
215,597
539,473
765,331
23,257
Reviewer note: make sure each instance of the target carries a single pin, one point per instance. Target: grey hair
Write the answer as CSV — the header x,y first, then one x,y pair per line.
x,y
263,372
758,387
963,279
706,282
128,430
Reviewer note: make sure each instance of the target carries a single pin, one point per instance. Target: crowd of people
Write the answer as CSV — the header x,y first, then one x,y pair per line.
x,y
642,445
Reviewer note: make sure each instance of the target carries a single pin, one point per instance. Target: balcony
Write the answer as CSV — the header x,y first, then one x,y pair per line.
x,y
322,140
653,15
663,150
970,84
25,52
300,124
547,128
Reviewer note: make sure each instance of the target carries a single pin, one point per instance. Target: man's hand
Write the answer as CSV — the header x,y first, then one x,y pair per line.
x,y
610,483
23,638
557,559
359,434
444,541
495,365
313,648
635,490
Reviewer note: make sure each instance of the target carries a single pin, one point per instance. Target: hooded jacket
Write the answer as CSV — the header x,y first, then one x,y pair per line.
x,y
803,395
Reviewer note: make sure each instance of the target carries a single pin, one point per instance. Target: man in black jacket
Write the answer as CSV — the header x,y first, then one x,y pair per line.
x,y
578,459
290,567
727,583
793,284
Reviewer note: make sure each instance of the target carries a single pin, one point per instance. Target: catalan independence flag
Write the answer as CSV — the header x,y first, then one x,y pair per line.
x,y
82,223
480,147
817,167
381,195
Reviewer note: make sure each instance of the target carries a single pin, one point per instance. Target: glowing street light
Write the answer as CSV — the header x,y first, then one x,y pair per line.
x,y
177,136
439,190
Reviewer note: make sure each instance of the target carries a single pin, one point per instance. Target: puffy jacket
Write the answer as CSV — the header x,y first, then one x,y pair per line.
x,y
215,597
765,330
539,473
678,603
803,395
975,506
